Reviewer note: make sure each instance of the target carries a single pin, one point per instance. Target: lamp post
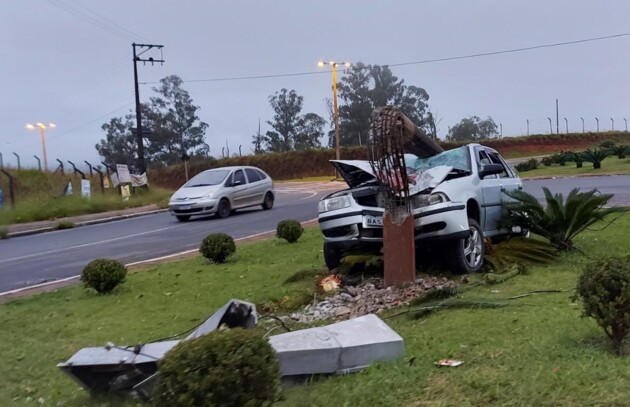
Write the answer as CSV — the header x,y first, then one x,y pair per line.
x,y
528,127
42,132
333,66
566,124
501,133
597,120
625,121
612,127
550,126
581,118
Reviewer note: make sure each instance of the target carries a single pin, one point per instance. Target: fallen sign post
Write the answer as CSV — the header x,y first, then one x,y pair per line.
x,y
339,348
393,136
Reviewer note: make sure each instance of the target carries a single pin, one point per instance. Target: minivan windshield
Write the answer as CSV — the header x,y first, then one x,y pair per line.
x,y
207,178
458,158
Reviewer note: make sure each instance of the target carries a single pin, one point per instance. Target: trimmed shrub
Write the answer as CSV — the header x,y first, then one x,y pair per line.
x,y
233,367
604,288
528,165
607,144
103,275
547,161
289,230
217,247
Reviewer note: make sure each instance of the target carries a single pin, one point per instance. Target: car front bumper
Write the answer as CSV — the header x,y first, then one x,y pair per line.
x,y
199,207
360,225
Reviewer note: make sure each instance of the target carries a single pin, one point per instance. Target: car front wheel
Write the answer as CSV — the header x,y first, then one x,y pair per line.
x,y
224,210
467,254
332,256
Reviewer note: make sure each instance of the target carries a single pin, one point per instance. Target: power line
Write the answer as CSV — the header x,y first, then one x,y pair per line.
x,y
102,24
109,21
426,61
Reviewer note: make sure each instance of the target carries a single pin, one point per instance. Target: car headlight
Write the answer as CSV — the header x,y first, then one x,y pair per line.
x,y
437,198
332,204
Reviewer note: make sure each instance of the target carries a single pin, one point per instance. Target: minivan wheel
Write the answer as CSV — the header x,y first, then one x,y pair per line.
x,y
268,202
332,256
224,210
467,254
183,218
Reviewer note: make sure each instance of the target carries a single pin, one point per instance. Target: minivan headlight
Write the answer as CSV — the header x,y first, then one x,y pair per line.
x,y
332,204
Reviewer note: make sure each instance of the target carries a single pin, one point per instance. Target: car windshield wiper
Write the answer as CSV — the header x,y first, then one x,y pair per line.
x,y
461,171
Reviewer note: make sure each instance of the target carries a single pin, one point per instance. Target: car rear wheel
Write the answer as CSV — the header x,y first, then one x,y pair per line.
x,y
268,202
332,256
183,218
224,210
467,254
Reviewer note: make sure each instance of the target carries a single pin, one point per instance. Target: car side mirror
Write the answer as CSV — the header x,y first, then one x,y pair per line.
x,y
490,169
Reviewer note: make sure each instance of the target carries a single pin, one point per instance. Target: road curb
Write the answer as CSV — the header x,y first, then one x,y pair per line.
x,y
86,223
539,177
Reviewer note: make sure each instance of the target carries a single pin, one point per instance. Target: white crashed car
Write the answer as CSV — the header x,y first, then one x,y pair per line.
x,y
457,199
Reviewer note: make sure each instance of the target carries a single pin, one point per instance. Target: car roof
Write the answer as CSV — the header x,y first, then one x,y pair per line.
x,y
234,167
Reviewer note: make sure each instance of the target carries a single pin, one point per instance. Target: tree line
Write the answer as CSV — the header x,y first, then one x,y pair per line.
x,y
175,128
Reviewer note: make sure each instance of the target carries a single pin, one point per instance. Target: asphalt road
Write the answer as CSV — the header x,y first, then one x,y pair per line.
x,y
30,260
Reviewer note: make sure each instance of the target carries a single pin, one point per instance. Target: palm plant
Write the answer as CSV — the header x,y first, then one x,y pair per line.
x,y
619,151
595,156
560,221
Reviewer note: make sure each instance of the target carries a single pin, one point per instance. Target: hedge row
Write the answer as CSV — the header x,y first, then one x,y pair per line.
x,y
300,164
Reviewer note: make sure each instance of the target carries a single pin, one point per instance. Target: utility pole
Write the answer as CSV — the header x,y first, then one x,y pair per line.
x,y
528,127
557,120
136,58
582,124
566,123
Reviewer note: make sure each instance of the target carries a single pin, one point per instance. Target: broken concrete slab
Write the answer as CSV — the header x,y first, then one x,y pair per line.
x,y
338,348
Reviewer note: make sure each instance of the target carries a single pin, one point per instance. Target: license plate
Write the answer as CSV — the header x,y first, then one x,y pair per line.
x,y
372,221
184,207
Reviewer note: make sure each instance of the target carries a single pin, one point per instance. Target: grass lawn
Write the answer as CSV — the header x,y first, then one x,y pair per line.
x,y
46,207
537,351
611,165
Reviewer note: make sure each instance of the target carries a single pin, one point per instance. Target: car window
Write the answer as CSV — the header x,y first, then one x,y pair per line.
x,y
252,176
239,175
261,174
494,157
483,160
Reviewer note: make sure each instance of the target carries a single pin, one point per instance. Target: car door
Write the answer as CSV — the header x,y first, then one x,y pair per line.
x,y
238,189
493,188
256,186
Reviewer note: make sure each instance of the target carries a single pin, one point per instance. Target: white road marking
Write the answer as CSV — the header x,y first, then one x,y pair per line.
x,y
61,280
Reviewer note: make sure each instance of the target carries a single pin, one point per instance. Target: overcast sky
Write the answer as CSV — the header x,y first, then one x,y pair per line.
x,y
69,62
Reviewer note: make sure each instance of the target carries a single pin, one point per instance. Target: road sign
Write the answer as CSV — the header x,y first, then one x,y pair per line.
x,y
123,173
85,188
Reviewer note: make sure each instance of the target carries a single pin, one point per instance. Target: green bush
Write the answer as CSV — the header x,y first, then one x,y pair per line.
x,y
103,275
607,144
604,288
560,158
217,247
233,367
289,230
4,233
547,161
65,224
528,165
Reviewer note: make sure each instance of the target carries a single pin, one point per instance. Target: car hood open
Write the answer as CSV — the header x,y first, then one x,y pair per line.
x,y
360,172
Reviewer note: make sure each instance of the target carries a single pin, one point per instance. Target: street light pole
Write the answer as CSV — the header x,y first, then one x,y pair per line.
x,y
42,131
624,119
582,124
333,66
597,120
528,127
501,127
566,123
612,128
550,126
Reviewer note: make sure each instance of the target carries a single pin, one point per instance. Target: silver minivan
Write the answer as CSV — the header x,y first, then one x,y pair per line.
x,y
221,191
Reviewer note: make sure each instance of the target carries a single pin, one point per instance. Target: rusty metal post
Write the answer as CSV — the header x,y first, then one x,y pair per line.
x,y
394,134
